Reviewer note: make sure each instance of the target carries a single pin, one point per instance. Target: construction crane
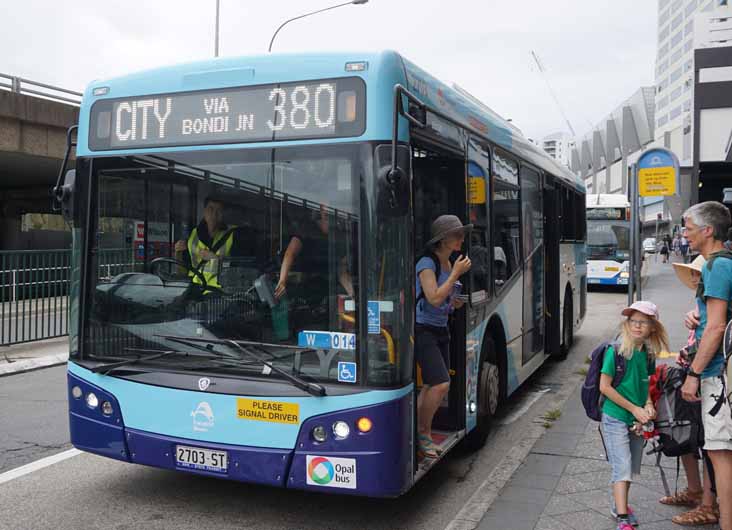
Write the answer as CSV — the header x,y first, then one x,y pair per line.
x,y
553,94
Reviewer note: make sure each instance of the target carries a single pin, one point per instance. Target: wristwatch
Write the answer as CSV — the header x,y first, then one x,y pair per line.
x,y
692,373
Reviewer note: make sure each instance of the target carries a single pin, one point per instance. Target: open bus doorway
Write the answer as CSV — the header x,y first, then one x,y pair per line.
x,y
439,188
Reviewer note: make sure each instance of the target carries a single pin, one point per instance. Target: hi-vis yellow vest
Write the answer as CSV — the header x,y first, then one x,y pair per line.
x,y
209,268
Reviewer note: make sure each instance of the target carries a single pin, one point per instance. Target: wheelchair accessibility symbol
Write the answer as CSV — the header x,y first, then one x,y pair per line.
x,y
346,372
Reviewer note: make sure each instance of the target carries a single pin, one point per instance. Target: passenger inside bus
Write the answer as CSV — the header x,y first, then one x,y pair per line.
x,y
437,290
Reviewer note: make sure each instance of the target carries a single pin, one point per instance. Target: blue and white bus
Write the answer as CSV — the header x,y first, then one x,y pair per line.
x,y
608,239
285,357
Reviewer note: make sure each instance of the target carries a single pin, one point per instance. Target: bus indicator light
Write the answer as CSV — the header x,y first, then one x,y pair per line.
x,y
364,425
359,66
76,392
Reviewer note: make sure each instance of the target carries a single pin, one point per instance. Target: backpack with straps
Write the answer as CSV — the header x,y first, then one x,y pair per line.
x,y
678,422
592,398
438,270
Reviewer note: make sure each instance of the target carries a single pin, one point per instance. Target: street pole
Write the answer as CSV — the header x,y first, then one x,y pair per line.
x,y
216,39
354,2
633,236
638,243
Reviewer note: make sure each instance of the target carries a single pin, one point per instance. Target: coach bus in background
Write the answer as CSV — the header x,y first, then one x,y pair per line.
x,y
285,356
608,239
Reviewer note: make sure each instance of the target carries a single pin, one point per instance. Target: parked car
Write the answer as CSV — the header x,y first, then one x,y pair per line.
x,y
650,245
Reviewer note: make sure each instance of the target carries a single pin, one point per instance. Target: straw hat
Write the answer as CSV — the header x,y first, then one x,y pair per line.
x,y
684,270
445,225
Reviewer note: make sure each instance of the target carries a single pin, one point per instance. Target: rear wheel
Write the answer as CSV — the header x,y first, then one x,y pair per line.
x,y
489,391
567,326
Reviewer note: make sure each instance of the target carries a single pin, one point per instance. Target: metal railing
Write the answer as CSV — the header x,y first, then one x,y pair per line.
x,y
34,291
21,85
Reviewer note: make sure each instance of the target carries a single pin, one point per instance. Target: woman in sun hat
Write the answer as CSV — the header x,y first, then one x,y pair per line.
x,y
627,405
437,290
697,495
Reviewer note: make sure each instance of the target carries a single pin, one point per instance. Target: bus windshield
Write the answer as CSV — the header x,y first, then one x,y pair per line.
x,y
258,246
608,240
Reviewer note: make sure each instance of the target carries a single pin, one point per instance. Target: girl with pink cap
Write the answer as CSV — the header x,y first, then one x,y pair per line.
x,y
628,405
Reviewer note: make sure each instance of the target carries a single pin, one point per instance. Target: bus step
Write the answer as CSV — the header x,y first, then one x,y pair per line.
x,y
445,441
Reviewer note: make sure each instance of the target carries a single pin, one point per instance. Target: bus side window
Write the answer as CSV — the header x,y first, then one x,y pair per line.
x,y
478,193
506,219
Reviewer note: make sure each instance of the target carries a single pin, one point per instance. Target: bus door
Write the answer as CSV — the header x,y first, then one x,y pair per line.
x,y
551,266
532,213
439,188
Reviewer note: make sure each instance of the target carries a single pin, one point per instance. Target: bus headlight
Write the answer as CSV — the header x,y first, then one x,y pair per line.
x,y
76,392
341,429
91,400
624,274
319,434
107,408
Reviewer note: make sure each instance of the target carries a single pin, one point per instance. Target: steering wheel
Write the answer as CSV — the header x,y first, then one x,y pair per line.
x,y
195,272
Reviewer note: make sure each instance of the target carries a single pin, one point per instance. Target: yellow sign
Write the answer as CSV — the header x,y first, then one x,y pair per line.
x,y
612,269
476,190
657,181
269,411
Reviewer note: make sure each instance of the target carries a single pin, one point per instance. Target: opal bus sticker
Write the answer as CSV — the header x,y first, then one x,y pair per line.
x,y
268,411
326,340
330,472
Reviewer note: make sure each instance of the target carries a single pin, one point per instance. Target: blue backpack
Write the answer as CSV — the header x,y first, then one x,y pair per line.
x,y
591,396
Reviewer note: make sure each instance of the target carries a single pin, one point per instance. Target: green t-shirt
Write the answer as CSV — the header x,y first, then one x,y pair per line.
x,y
633,387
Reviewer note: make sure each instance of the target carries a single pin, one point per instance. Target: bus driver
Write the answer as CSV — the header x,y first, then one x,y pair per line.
x,y
208,243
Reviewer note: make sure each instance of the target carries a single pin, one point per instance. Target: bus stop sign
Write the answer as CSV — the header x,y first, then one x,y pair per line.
x,y
658,173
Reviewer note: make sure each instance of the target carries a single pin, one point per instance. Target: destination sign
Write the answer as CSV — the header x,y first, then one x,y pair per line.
x,y
606,213
312,109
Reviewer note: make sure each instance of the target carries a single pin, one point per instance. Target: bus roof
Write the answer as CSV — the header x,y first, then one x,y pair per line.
x,y
383,69
607,200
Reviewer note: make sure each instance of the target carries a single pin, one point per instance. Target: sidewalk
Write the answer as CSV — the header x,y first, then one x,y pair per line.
x,y
33,355
564,481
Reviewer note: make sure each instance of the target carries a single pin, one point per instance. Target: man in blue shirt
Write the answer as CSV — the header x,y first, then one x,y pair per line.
x,y
706,228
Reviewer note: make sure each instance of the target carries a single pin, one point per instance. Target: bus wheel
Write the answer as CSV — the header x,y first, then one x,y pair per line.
x,y
489,391
567,327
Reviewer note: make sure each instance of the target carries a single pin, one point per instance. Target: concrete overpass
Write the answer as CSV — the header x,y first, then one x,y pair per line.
x,y
34,118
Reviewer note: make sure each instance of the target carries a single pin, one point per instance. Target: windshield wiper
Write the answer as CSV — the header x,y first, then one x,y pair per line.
x,y
314,389
108,367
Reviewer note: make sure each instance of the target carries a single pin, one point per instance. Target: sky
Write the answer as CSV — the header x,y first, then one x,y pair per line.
x,y
595,53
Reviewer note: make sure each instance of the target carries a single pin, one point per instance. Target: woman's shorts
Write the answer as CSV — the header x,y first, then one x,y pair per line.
x,y
624,449
717,429
432,352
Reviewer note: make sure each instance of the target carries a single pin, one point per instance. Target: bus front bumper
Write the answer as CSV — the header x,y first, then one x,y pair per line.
x,y
377,463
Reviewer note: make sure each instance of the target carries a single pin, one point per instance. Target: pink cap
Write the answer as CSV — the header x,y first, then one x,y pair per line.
x,y
643,306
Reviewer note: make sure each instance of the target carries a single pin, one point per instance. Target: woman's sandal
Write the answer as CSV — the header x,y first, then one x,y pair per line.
x,y
427,447
683,498
699,516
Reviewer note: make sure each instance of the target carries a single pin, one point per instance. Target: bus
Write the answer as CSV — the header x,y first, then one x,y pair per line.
x,y
285,357
608,239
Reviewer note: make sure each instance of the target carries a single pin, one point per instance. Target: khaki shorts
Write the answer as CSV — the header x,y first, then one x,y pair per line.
x,y
717,429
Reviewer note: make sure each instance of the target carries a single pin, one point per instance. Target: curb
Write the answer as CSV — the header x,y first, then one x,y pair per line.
x,y
37,363
472,513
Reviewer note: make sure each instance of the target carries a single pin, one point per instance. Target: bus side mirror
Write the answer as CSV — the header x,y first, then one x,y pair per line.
x,y
393,187
64,196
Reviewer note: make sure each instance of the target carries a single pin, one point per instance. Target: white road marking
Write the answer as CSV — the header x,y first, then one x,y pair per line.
x,y
530,399
38,464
